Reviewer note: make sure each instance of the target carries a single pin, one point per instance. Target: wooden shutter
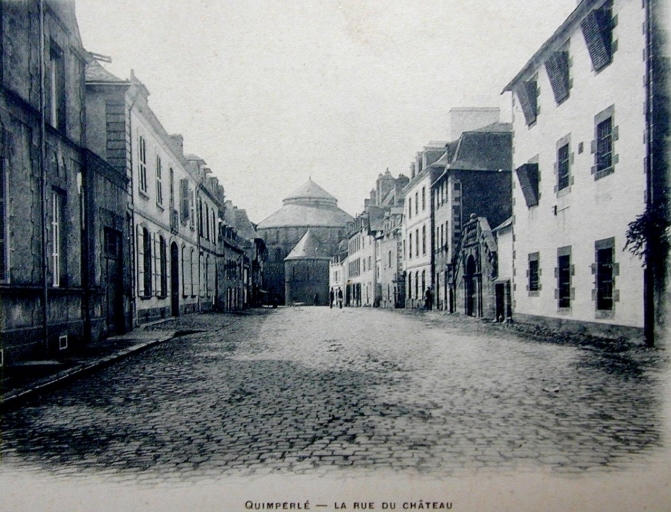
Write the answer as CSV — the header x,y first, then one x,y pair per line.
x,y
596,31
528,97
557,69
156,264
184,200
140,262
527,175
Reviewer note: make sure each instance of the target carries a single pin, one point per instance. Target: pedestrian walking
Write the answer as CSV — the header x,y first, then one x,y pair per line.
x,y
316,299
340,298
331,298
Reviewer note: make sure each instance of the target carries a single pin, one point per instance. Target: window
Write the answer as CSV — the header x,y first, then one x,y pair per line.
x,y
410,247
410,208
528,177
4,222
423,240
184,200
193,272
172,188
423,198
563,166
604,145
200,217
163,265
605,269
410,285
389,259
534,285
527,94
564,271
417,242
192,210
56,90
159,181
417,284
57,252
557,67
597,29
142,164
144,255
416,202
423,282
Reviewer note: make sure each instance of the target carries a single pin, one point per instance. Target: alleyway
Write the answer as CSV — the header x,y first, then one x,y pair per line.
x,y
311,389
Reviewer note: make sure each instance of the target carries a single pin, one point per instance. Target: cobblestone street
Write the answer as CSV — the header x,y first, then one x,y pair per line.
x,y
303,390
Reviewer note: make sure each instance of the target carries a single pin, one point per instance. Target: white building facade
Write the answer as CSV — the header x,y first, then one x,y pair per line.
x,y
580,173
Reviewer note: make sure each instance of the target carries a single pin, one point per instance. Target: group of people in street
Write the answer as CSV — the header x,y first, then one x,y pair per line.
x,y
335,298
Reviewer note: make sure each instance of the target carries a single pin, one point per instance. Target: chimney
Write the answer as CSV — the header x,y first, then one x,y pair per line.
x,y
178,142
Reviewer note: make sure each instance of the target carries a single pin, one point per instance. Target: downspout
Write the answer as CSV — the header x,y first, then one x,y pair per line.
x,y
43,184
648,272
133,263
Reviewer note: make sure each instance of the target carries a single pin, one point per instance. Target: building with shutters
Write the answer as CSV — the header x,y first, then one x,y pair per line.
x,y
308,207
175,203
589,159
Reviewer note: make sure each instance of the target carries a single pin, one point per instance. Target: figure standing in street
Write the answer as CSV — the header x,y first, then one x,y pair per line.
x,y
331,298
316,299
428,299
340,298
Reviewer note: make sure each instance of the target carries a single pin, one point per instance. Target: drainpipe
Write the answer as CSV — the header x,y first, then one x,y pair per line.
x,y
133,307
649,271
43,184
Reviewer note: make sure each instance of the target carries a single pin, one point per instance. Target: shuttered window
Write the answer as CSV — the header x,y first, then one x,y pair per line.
x,y
159,181
557,67
146,262
597,29
534,272
604,279
564,280
528,178
527,95
142,163
184,201
163,265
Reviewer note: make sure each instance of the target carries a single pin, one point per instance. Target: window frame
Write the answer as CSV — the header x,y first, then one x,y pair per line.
x,y
142,165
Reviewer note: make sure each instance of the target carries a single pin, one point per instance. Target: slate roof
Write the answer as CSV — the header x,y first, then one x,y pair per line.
x,y
309,205
483,151
95,72
309,247
310,190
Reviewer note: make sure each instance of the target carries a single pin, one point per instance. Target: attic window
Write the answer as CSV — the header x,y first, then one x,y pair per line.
x,y
527,175
527,94
597,29
557,67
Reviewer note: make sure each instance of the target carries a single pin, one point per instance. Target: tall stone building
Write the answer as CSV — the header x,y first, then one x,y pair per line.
x,y
309,207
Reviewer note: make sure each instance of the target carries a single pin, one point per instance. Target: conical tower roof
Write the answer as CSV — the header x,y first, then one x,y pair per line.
x,y
308,248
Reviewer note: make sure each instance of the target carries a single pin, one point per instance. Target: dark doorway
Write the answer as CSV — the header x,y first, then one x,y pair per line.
x,y
114,281
500,302
470,287
174,279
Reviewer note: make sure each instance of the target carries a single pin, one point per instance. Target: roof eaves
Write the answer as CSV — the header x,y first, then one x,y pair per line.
x,y
537,59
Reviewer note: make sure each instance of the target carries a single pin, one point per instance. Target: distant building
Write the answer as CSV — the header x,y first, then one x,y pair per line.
x,y
474,177
306,271
588,114
308,207
417,224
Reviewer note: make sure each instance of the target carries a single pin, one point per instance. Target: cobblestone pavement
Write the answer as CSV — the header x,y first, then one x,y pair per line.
x,y
303,390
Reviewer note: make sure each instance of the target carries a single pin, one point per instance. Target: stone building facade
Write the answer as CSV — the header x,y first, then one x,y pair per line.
x,y
175,204
43,282
306,271
309,207
588,161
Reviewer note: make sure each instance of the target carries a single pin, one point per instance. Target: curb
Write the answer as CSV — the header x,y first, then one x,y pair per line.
x,y
17,397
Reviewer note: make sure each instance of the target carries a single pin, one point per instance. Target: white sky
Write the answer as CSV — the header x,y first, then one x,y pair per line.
x,y
269,93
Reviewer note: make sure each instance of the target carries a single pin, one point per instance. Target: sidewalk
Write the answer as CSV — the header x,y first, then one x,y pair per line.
x,y
24,380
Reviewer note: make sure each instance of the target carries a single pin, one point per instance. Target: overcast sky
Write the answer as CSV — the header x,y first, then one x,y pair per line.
x,y
270,93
